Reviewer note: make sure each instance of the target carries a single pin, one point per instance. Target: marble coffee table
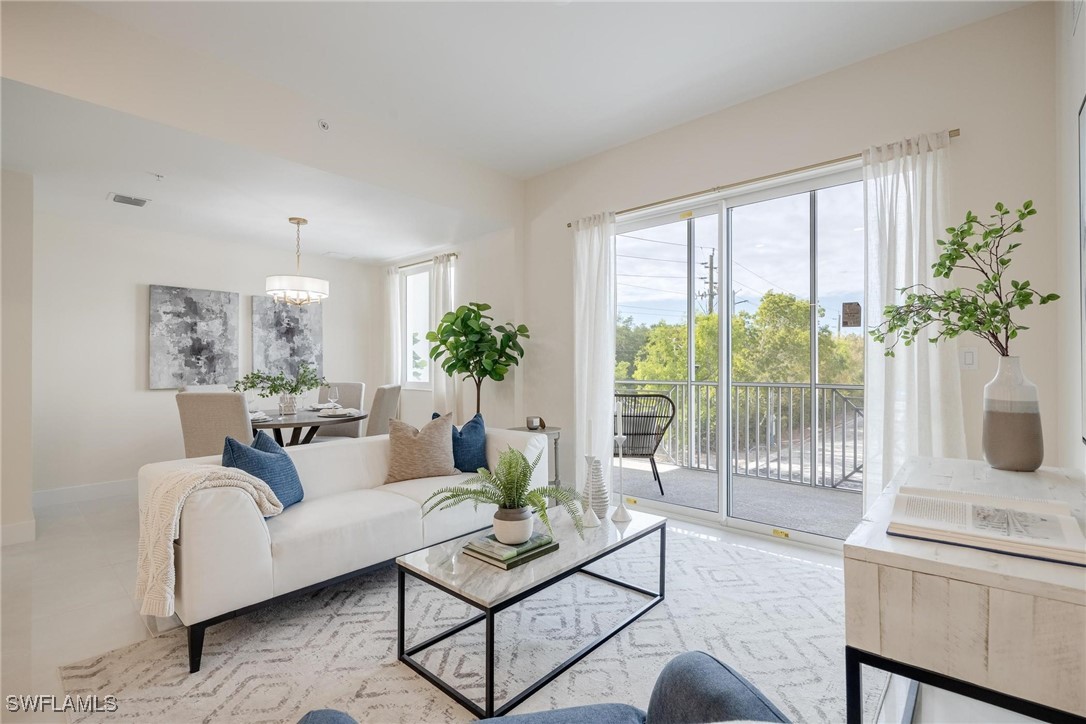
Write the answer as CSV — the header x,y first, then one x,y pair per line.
x,y
492,590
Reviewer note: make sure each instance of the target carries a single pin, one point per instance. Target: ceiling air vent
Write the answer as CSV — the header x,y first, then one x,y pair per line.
x,y
130,200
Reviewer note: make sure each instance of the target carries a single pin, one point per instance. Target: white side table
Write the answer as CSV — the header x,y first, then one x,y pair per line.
x,y
553,433
1004,629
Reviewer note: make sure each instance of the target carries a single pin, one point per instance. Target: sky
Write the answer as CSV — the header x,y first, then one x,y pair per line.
x,y
771,248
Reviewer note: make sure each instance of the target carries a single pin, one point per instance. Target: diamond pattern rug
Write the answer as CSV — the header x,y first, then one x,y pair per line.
x,y
776,619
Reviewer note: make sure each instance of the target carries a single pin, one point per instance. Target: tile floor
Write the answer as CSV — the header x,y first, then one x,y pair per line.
x,y
68,595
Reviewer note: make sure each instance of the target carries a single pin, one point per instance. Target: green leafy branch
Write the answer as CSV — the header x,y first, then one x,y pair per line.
x,y
269,385
984,310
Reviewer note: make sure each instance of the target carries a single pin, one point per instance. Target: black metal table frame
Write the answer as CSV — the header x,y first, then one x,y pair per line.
x,y
488,613
854,658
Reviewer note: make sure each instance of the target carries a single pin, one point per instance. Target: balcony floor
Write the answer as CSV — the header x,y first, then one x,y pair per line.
x,y
824,511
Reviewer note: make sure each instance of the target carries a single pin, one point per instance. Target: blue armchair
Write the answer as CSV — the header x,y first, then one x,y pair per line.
x,y
694,688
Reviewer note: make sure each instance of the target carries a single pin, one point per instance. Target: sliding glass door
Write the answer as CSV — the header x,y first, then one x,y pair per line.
x,y
796,386
739,340
667,360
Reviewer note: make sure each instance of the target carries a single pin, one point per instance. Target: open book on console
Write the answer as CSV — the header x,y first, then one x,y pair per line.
x,y
1046,530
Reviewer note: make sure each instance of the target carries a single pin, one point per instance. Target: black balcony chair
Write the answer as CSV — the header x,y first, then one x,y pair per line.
x,y
645,420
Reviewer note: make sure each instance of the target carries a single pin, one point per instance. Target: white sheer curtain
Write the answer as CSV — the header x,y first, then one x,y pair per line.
x,y
442,290
914,404
594,338
393,335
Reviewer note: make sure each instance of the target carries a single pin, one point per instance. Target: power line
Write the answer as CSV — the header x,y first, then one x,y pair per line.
x,y
643,306
661,241
772,284
651,258
654,276
653,289
651,312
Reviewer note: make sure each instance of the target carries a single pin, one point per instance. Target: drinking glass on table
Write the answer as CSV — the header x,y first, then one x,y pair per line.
x,y
333,395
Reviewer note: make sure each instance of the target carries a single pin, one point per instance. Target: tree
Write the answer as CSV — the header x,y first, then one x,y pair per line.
x,y
629,339
770,344
467,344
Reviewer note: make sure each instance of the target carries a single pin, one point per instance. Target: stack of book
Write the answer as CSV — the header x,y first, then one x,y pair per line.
x,y
487,548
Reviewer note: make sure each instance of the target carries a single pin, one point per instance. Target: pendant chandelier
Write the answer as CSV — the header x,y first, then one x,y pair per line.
x,y
294,288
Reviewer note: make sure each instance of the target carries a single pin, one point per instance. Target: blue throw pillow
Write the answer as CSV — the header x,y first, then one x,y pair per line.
x,y
469,445
266,460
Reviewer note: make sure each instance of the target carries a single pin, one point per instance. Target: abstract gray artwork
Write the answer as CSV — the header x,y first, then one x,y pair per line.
x,y
194,337
285,335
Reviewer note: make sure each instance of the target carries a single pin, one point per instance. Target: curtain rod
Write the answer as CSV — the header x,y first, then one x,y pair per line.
x,y
954,133
453,254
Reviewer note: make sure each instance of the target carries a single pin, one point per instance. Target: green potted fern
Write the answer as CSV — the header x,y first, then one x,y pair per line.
x,y
508,488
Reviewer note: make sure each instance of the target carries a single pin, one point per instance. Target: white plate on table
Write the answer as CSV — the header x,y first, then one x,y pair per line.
x,y
334,413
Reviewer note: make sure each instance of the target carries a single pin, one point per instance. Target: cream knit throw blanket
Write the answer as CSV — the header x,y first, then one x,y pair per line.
x,y
161,519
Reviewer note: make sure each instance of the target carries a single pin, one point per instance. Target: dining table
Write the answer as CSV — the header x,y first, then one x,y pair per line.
x,y
300,420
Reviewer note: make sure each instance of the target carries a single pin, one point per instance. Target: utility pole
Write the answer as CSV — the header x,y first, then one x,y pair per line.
x,y
711,266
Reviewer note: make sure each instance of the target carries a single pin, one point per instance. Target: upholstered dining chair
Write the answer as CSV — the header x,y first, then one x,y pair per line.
x,y
645,420
351,394
207,418
386,405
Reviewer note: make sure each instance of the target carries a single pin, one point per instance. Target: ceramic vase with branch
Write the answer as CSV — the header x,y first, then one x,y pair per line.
x,y
1012,438
287,388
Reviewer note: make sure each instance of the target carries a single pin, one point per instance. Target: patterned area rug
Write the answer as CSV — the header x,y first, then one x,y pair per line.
x,y
776,619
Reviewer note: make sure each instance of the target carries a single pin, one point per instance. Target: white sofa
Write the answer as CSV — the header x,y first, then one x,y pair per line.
x,y
229,559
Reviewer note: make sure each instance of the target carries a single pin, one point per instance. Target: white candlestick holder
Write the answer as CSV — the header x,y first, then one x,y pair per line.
x,y
621,514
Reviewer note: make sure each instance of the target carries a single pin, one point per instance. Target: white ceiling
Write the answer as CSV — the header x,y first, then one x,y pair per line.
x,y
528,87
79,153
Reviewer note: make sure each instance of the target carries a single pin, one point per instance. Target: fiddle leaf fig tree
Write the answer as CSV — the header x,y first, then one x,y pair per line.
x,y
466,343
985,309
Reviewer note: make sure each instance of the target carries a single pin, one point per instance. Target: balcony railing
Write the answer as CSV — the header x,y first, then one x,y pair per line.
x,y
788,432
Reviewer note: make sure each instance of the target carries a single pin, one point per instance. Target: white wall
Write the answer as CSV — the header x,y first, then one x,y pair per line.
x,y
950,81
488,270
1071,66
16,265
94,419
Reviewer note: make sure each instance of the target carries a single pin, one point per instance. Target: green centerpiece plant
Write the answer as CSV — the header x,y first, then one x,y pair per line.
x,y
1012,424
466,343
508,488
279,384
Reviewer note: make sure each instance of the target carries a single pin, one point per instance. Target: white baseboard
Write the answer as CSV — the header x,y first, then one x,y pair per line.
x,y
22,532
83,493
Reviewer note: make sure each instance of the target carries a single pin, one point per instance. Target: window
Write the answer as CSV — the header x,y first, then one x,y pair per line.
x,y
415,322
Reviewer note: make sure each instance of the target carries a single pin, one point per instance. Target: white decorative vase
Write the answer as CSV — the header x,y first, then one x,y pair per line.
x,y
513,526
1012,437
288,404
595,488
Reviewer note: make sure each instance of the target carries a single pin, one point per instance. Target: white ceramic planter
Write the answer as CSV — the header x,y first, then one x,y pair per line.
x,y
1012,437
513,526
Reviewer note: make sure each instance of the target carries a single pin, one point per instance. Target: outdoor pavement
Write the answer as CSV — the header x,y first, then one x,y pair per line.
x,y
824,511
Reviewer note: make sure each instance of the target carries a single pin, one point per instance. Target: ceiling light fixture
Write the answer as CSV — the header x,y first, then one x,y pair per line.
x,y
294,288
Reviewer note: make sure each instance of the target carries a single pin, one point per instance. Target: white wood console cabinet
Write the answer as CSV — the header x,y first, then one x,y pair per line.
x,y
1004,629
